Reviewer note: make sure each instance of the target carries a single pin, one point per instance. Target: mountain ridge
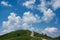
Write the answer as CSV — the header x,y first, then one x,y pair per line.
x,y
25,35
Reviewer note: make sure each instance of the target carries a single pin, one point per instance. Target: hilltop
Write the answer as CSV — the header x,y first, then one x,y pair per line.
x,y
24,35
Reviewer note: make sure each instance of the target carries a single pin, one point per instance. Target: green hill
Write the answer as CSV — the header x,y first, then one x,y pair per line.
x,y
24,35
57,38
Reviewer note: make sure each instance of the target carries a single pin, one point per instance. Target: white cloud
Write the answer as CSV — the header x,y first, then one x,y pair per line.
x,y
5,3
26,26
29,4
42,6
55,4
48,15
7,31
30,18
50,31
15,22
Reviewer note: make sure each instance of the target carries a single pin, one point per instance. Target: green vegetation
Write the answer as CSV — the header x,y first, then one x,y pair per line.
x,y
25,35
57,38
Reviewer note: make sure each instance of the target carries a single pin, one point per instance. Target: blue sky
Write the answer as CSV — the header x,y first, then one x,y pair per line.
x,y
42,16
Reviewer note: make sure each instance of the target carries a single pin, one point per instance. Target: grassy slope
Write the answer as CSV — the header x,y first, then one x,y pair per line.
x,y
23,35
57,38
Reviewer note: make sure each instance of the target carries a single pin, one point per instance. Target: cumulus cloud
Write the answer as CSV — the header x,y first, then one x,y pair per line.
x,y
5,3
55,4
50,31
48,15
30,18
42,6
29,4
15,22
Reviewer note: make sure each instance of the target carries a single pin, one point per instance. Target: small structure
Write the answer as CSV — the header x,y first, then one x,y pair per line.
x,y
32,34
44,39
